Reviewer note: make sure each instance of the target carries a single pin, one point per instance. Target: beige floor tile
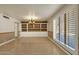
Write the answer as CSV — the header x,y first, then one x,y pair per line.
x,y
33,46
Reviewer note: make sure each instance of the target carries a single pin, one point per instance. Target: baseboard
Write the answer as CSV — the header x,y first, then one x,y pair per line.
x,y
59,46
1,44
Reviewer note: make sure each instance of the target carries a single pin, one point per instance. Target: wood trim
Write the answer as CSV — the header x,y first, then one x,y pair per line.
x,y
6,32
65,28
59,28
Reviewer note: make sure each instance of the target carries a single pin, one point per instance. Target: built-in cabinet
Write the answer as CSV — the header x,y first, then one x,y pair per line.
x,y
37,29
38,26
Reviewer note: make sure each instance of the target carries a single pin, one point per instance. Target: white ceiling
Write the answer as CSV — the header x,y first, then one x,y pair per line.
x,y
18,11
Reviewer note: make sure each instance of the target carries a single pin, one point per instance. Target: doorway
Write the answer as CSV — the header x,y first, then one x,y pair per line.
x,y
17,34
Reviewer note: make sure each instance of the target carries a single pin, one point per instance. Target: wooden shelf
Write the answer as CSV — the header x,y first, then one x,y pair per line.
x,y
43,29
24,25
34,27
24,30
30,25
43,25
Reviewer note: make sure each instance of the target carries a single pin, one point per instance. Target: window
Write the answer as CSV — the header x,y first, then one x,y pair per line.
x,y
65,31
57,29
72,29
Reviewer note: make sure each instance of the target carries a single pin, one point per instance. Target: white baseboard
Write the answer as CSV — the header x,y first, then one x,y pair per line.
x,y
1,44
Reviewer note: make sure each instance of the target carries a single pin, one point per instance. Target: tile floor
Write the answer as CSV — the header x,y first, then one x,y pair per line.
x,y
31,46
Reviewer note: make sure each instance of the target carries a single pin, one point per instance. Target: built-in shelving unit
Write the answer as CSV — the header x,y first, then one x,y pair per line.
x,y
37,26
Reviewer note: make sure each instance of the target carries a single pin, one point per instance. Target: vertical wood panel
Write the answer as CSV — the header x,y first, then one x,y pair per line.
x,y
65,28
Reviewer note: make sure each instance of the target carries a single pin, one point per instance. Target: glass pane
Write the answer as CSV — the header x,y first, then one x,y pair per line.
x,y
71,30
57,29
62,29
30,25
54,28
71,41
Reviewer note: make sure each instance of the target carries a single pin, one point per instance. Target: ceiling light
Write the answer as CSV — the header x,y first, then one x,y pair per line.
x,y
31,19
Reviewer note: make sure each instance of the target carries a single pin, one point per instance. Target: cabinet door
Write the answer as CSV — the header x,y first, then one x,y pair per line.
x,y
43,25
37,26
24,27
30,25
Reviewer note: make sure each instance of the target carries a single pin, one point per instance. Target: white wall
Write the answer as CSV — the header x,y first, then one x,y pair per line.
x,y
7,25
33,34
50,25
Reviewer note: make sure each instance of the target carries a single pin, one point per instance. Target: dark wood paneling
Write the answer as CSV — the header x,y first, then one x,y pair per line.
x,y
6,36
50,34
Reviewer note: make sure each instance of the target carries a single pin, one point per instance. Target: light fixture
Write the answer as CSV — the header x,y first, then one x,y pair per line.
x,y
31,19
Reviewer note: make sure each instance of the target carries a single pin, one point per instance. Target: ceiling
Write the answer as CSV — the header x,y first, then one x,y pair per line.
x,y
43,11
